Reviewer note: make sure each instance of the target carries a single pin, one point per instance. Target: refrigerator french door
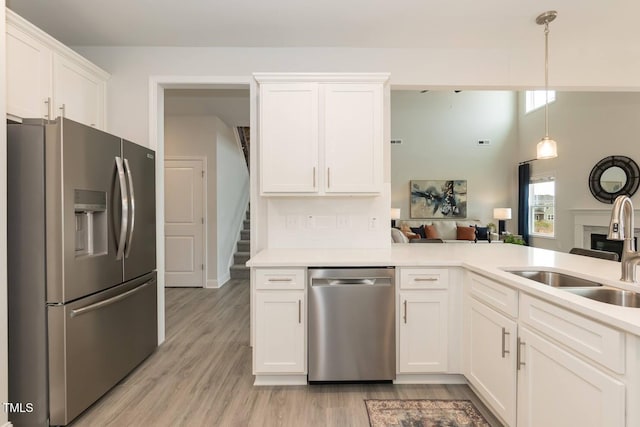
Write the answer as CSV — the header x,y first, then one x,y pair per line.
x,y
82,285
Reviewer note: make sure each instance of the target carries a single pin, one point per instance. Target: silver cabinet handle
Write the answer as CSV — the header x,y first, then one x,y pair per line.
x,y
280,279
405,311
426,279
62,110
314,177
132,200
504,342
109,301
519,362
328,177
299,311
124,203
48,104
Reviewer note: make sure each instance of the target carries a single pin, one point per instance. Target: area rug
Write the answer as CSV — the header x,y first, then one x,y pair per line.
x,y
424,413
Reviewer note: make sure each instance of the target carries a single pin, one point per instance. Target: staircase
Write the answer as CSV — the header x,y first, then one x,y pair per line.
x,y
238,269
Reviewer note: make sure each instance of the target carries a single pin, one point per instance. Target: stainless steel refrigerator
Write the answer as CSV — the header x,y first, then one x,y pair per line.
x,y
81,266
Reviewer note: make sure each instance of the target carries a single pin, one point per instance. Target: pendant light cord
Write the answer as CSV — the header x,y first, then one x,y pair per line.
x,y
546,79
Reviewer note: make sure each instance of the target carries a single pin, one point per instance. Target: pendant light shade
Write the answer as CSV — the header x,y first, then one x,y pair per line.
x,y
547,147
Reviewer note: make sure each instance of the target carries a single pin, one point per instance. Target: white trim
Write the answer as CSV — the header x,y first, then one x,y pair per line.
x,y
7,424
205,224
265,380
157,86
322,77
430,379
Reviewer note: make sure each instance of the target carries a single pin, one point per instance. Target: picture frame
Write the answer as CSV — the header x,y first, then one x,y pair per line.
x,y
438,198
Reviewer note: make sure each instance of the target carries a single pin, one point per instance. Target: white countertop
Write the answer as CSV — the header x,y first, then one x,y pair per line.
x,y
486,259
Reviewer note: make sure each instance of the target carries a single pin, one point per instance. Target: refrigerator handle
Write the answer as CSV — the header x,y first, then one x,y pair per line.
x,y
132,199
124,202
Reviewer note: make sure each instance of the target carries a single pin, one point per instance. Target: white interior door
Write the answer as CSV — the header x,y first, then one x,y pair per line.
x,y
184,222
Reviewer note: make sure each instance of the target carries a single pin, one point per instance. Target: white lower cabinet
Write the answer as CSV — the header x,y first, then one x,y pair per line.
x,y
423,330
556,388
280,345
543,365
492,359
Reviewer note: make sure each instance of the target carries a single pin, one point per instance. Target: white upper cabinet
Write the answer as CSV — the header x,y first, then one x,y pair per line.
x,y
29,77
289,137
321,133
46,79
353,137
78,93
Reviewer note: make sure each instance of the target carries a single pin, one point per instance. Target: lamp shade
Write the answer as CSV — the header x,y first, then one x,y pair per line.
x,y
502,213
546,149
395,213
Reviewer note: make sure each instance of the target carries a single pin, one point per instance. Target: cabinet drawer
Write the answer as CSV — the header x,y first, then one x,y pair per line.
x,y
494,294
424,278
279,278
594,340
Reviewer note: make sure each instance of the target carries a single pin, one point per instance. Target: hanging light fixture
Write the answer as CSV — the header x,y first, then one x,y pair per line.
x,y
547,147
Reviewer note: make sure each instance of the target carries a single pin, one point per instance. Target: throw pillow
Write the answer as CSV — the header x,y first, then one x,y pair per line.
x,y
430,232
466,233
482,233
419,231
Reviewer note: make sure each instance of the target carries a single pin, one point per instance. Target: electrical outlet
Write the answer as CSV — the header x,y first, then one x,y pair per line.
x,y
484,142
374,223
343,222
292,222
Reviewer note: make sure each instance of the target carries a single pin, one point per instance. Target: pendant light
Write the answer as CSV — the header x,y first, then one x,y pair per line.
x,y
547,147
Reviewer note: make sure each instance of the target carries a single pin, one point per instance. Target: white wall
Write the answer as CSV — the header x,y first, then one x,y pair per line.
x,y
521,66
588,126
232,195
196,136
440,131
3,220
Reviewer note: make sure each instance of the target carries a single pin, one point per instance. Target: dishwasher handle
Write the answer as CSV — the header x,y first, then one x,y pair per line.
x,y
332,281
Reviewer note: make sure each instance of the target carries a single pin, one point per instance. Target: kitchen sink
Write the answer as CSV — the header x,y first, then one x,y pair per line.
x,y
555,279
609,295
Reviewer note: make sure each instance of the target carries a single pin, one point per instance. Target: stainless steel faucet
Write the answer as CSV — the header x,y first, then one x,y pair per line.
x,y
621,228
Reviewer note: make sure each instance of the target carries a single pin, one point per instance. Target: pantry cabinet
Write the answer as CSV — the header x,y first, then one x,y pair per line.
x,y
46,79
321,134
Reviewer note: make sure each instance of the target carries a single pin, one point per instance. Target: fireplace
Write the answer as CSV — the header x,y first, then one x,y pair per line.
x,y
601,243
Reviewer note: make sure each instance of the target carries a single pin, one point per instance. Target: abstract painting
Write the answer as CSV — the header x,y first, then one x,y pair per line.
x,y
439,199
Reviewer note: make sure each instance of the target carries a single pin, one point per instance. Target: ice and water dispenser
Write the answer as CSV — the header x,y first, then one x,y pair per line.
x,y
91,222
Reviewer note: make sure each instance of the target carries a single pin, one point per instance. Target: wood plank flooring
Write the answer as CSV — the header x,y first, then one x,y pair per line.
x,y
201,376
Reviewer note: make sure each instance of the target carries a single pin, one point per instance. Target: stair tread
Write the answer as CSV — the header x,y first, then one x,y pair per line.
x,y
239,267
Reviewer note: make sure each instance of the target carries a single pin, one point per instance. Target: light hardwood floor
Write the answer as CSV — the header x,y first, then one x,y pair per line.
x,y
201,376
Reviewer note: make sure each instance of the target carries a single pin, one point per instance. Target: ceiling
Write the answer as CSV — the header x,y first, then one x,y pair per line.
x,y
230,105
328,23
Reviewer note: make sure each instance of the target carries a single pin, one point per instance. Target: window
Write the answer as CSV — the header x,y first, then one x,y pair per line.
x,y
542,203
536,99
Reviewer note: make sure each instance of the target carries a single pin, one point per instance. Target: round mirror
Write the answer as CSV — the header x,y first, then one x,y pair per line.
x,y
613,179
613,176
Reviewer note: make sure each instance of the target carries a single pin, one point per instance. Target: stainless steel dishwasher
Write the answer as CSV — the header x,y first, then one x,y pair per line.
x,y
352,334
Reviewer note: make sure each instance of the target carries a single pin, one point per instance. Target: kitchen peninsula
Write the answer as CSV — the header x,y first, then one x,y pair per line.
x,y
461,316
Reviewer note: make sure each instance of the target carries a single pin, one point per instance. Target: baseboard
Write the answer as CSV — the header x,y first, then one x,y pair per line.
x,y
268,380
430,379
7,424
224,279
212,284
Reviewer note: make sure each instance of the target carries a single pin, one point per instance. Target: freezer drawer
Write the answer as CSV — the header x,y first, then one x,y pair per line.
x,y
96,341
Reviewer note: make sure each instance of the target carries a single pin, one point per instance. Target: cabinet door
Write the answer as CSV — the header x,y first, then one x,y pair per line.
x,y
423,331
79,94
556,388
288,120
28,75
280,332
352,133
492,359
